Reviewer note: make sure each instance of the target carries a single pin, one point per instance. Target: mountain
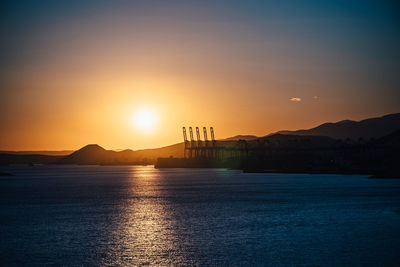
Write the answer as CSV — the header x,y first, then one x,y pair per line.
x,y
90,154
175,150
95,155
366,129
321,136
240,137
307,141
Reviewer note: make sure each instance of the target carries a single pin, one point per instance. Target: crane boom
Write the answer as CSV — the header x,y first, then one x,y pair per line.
x,y
185,135
191,134
198,134
212,133
205,134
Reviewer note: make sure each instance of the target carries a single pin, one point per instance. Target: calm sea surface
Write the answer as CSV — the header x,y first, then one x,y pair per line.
x,y
124,215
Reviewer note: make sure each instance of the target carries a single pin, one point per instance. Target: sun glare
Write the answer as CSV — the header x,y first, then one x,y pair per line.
x,y
145,119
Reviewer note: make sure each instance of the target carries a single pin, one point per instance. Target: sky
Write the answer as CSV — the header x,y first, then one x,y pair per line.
x,y
79,72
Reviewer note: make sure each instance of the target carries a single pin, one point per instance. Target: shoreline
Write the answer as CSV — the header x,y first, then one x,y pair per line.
x,y
371,175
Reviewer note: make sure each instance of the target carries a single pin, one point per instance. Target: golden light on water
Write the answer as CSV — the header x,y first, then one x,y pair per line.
x,y
146,223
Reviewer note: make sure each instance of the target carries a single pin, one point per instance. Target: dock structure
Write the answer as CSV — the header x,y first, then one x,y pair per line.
x,y
280,153
206,149
196,147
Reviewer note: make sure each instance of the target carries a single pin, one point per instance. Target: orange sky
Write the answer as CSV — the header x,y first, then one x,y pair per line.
x,y
71,79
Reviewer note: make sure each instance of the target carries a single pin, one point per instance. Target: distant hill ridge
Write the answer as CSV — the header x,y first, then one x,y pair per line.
x,y
366,129
89,154
95,154
240,137
322,134
369,128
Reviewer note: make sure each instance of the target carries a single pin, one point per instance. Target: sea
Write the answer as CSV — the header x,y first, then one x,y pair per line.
x,y
54,215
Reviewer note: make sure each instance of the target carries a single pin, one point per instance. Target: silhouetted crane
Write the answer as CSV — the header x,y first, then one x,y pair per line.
x,y
196,148
206,150
192,142
186,142
214,152
198,141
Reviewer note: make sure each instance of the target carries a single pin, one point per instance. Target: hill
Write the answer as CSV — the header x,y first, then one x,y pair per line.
x,y
96,155
241,137
90,154
366,129
320,136
287,140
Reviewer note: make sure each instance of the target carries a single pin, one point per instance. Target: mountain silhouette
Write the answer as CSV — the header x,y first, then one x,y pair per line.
x,y
366,129
96,155
286,140
241,137
323,135
90,154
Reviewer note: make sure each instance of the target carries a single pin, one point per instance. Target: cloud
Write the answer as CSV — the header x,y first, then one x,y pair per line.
x,y
316,97
295,99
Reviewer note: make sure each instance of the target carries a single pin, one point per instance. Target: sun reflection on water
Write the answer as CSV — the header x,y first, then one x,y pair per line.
x,y
146,231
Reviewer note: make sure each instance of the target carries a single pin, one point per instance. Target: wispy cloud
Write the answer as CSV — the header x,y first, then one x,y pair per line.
x,y
295,99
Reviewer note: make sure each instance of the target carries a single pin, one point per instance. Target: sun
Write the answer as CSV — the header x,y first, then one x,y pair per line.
x,y
145,119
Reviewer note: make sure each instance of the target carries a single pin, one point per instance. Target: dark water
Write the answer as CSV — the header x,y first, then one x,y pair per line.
x,y
91,215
